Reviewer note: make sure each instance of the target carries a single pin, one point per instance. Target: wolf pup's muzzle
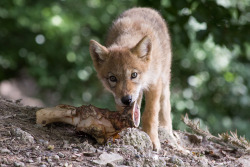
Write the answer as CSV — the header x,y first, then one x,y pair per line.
x,y
127,100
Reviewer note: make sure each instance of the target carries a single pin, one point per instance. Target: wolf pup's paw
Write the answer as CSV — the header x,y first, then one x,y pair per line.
x,y
156,145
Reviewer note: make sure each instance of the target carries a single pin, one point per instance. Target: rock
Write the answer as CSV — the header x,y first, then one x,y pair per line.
x,y
106,158
24,136
136,138
136,148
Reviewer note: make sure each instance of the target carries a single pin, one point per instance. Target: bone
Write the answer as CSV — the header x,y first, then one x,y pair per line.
x,y
99,123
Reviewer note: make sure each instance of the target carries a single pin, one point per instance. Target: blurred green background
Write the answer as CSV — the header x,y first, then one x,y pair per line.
x,y
47,42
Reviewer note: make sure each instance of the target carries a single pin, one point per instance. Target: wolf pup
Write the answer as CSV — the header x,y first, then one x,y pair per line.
x,y
137,60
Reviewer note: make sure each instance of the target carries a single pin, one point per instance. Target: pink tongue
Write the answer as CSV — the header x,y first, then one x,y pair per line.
x,y
136,115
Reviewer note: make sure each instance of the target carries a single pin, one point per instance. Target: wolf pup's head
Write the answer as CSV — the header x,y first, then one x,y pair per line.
x,y
123,71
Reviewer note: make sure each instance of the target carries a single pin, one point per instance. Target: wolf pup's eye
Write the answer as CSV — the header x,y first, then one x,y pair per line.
x,y
112,79
133,75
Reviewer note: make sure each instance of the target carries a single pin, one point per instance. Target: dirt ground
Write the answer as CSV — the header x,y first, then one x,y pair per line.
x,y
23,143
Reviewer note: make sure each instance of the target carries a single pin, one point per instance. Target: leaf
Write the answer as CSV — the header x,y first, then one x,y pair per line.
x,y
202,35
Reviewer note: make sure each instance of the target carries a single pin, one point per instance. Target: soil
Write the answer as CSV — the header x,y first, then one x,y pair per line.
x,y
24,143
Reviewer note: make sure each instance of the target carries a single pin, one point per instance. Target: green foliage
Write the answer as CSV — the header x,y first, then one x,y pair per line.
x,y
211,53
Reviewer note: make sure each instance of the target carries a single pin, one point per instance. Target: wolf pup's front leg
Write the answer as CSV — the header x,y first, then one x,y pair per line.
x,y
150,116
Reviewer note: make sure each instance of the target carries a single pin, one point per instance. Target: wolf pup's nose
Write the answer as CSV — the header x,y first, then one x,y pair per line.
x,y
127,100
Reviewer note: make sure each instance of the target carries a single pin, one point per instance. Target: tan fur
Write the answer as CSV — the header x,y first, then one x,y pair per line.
x,y
138,41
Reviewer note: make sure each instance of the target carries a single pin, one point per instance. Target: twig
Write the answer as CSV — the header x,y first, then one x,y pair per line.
x,y
231,140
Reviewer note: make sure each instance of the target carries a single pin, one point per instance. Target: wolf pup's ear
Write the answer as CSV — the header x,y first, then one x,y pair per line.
x,y
98,52
143,48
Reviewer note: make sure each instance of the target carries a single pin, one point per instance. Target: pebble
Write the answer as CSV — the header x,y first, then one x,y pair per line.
x,y
98,151
176,160
75,150
137,156
51,147
173,159
30,161
43,165
5,160
22,135
106,158
51,164
40,141
27,154
89,154
37,148
46,143
111,165
19,164
56,157
67,165
61,155
210,147
202,164
39,159
65,144
5,150
155,157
